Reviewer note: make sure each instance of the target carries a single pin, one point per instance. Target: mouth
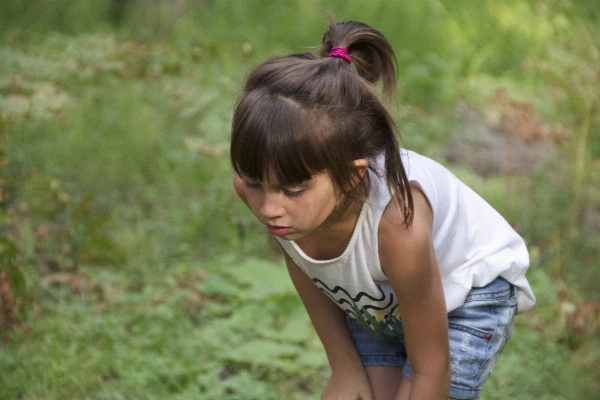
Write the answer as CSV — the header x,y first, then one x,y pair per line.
x,y
278,230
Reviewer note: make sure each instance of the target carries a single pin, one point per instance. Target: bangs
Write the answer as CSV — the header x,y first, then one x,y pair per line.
x,y
274,136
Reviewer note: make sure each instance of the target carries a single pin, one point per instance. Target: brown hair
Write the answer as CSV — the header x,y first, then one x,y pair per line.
x,y
300,115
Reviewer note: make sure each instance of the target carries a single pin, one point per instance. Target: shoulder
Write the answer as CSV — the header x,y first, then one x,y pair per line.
x,y
402,247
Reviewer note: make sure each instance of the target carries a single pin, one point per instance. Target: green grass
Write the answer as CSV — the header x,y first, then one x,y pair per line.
x,y
145,276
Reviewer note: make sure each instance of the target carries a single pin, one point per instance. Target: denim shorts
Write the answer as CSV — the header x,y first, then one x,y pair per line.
x,y
478,331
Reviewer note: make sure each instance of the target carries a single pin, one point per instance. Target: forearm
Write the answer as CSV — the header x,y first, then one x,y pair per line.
x,y
328,320
348,379
428,351
430,387
333,332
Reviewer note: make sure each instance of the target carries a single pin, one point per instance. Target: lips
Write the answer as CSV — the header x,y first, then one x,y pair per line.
x,y
278,230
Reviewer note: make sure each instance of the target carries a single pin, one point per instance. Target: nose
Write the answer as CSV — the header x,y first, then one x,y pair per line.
x,y
272,206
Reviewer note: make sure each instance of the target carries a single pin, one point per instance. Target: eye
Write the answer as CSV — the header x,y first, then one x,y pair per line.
x,y
293,192
252,185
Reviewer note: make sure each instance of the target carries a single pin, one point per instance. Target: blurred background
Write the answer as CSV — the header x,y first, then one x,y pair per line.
x,y
128,268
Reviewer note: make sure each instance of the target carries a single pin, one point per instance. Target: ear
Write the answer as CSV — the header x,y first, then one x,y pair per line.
x,y
362,164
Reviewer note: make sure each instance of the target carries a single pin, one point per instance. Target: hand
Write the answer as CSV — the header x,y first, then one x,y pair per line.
x,y
351,384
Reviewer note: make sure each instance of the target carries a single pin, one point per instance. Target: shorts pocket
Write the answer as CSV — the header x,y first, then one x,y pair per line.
x,y
475,332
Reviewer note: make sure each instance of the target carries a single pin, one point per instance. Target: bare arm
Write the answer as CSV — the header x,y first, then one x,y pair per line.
x,y
348,380
408,259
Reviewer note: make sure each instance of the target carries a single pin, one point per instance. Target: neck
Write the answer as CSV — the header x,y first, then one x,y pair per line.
x,y
330,239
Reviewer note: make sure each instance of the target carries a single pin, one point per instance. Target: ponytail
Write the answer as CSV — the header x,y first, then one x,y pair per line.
x,y
369,50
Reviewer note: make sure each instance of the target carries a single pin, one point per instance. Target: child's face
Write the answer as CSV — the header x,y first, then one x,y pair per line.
x,y
290,212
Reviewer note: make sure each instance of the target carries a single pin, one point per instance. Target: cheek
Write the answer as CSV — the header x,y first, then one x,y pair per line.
x,y
254,201
238,185
316,208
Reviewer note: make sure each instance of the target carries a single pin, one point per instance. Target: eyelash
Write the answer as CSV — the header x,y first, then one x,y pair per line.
x,y
252,185
292,194
287,193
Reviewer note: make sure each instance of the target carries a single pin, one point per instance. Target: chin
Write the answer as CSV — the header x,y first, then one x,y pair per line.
x,y
292,236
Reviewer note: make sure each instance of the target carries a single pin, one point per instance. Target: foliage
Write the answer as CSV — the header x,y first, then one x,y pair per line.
x,y
196,334
138,274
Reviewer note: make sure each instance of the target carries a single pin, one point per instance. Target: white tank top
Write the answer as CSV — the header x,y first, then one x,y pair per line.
x,y
473,243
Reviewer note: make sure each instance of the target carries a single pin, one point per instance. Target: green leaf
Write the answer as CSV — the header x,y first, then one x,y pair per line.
x,y
261,279
263,352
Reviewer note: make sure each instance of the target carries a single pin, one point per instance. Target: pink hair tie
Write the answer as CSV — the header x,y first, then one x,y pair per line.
x,y
340,52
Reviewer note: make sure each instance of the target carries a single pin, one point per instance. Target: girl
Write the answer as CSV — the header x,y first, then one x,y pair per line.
x,y
410,279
